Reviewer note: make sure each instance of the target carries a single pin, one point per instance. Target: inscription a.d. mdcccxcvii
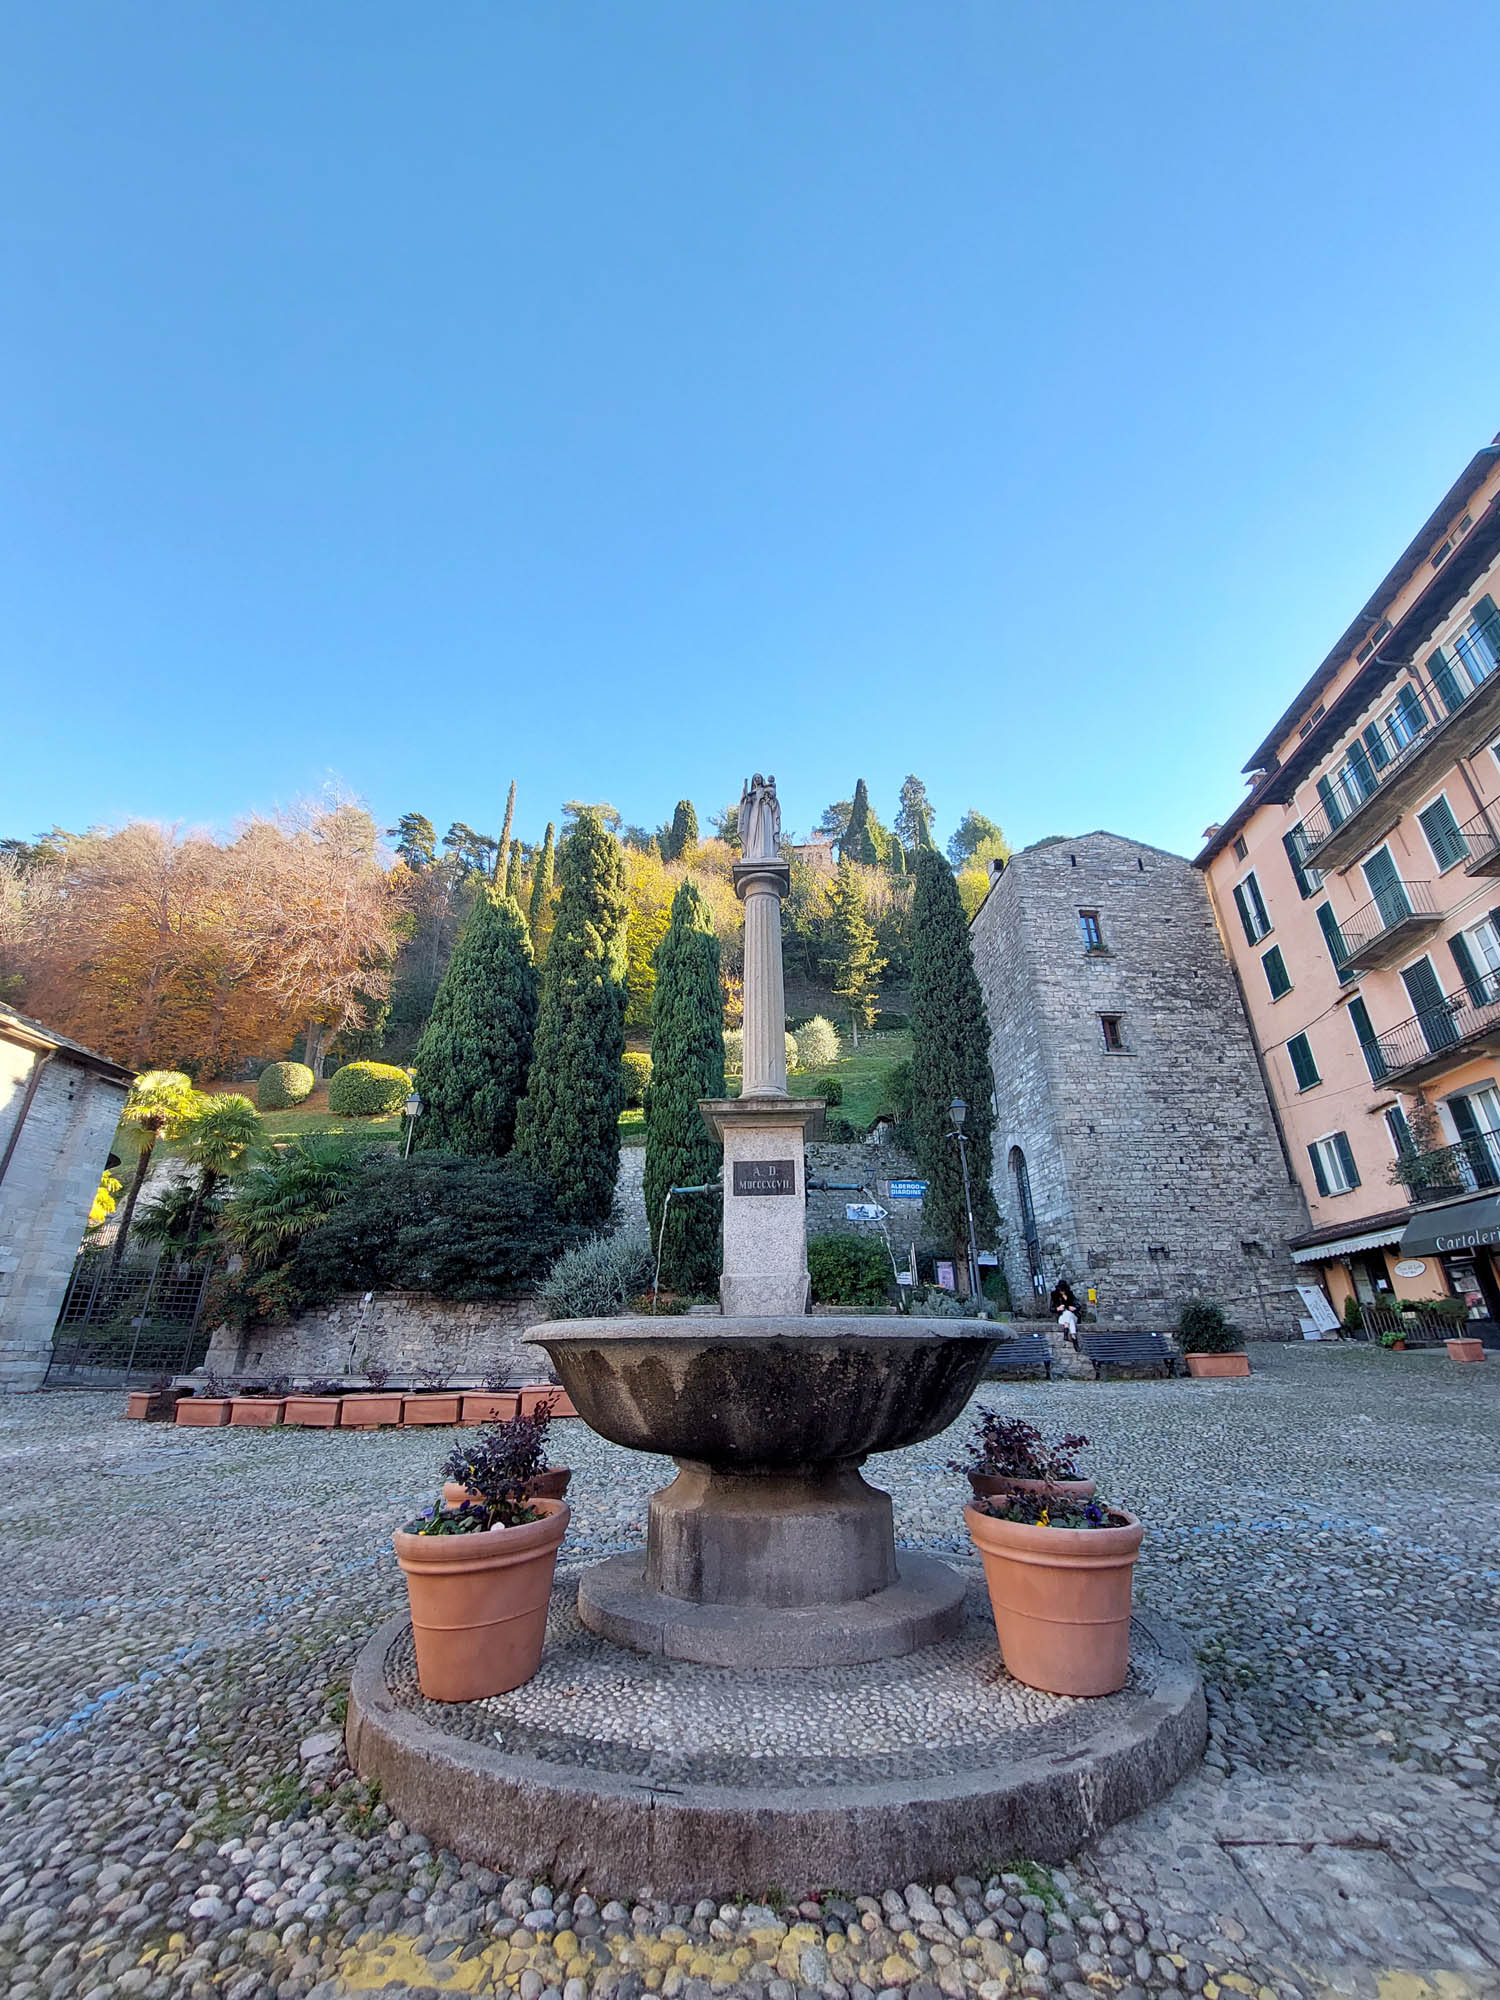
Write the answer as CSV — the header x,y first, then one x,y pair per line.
x,y
765,1177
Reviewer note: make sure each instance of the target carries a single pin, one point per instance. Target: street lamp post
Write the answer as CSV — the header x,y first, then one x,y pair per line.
x,y
958,1111
412,1110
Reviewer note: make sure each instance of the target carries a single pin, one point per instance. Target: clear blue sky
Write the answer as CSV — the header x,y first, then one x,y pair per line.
x,y
623,396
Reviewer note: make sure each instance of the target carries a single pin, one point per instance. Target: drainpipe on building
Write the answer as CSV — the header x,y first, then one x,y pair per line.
x,y
26,1103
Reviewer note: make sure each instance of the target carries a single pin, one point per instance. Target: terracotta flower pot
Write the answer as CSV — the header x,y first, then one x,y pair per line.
x,y
369,1411
536,1393
479,1604
1060,1599
490,1406
152,1406
259,1412
1465,1350
1213,1365
1398,1347
431,1408
210,1410
549,1485
986,1484
316,1412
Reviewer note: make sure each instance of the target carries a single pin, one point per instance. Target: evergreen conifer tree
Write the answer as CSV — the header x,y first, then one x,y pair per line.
x,y
850,956
687,1063
914,819
682,836
541,895
568,1129
950,1058
860,842
502,852
513,875
472,1059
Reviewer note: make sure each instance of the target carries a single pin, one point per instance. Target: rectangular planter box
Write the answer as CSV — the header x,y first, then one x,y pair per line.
x,y
321,1412
432,1408
486,1406
1465,1350
1212,1365
537,1393
255,1412
367,1413
152,1406
210,1410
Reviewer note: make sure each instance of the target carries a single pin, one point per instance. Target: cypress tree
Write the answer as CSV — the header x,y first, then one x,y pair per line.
x,y
502,852
568,1129
950,1058
541,893
850,956
859,842
682,836
513,875
687,1063
472,1060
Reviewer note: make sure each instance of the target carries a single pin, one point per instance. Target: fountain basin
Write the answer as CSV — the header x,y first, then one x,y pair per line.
x,y
769,1546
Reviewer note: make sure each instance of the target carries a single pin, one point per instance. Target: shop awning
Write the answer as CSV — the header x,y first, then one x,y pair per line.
x,y
1460,1225
1346,1246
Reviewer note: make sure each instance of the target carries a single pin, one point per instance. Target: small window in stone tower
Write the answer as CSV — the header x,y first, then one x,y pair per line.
x,y
1114,1034
1093,935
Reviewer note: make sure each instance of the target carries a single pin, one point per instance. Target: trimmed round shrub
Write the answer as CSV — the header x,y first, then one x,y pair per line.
x,y
734,1050
368,1090
848,1270
595,1280
829,1089
636,1070
281,1085
817,1044
1203,1329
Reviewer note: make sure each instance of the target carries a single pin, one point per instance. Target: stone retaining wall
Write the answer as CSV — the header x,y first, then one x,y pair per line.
x,y
403,1332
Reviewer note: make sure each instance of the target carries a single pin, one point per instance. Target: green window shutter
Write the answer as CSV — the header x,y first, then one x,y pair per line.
x,y
1359,1014
1241,903
1443,837
1363,778
1375,744
1317,1166
1440,673
1400,1131
1304,1068
1307,879
1468,971
1276,973
1333,937
1331,804
1346,1158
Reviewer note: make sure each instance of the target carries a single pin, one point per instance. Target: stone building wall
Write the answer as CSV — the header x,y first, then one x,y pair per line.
x,y
1156,1172
403,1332
49,1186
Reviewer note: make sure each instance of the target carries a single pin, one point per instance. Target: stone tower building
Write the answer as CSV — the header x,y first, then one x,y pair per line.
x,y
1135,1148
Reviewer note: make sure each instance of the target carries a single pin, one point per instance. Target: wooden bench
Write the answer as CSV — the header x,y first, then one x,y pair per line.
x,y
1020,1352
1127,1350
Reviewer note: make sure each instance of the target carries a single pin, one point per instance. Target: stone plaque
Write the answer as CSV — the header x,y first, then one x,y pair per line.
x,y
765,1177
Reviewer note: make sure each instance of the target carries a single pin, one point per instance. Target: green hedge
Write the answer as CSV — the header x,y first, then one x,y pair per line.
x,y
368,1090
636,1070
848,1270
1203,1329
281,1085
829,1089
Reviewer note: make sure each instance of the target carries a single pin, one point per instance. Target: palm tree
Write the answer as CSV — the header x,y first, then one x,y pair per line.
x,y
279,1199
225,1136
161,1104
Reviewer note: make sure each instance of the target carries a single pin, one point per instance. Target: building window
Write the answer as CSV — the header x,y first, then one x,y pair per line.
x,y
1114,1039
1308,880
1399,1130
1299,1050
1333,937
1277,977
1240,849
1252,908
1369,1044
1333,1165
1448,845
1093,935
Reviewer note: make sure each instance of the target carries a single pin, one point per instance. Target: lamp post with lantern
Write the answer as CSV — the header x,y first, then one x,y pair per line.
x,y
958,1111
411,1110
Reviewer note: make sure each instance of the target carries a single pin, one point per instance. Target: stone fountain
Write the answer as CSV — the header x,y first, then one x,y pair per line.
x,y
769,1548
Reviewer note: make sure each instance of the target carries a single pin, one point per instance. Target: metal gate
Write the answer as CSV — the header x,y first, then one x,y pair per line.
x,y
128,1324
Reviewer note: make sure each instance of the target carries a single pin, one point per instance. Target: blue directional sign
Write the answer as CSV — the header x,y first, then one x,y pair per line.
x,y
908,1190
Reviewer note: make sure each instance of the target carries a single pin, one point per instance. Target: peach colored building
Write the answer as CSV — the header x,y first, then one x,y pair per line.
x,y
1357,888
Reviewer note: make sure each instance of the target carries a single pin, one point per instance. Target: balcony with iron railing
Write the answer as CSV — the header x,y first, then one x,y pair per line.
x,y
1469,1167
1439,1038
1389,763
1481,835
1386,926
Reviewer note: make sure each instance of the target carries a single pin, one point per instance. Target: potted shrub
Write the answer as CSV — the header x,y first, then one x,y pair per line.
x,y
317,1406
258,1404
367,1409
1010,1456
156,1405
547,1482
1212,1346
479,1575
431,1405
1059,1572
208,1405
1391,1337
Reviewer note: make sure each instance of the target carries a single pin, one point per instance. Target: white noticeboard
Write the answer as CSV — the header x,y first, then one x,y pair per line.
x,y
1319,1311
864,1211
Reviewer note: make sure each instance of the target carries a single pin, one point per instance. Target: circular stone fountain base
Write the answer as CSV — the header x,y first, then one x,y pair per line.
x,y
618,1770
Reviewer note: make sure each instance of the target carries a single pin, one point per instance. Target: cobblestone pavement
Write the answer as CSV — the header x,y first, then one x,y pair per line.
x,y
182,1609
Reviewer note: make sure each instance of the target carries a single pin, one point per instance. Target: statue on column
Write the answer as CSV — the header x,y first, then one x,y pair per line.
x,y
760,820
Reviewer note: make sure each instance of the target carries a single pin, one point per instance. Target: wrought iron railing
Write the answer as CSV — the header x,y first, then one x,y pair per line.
x,y
1385,914
1465,1168
1417,1329
1481,835
1435,1030
130,1322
